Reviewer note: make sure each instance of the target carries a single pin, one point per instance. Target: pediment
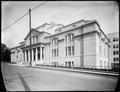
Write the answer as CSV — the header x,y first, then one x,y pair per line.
x,y
33,32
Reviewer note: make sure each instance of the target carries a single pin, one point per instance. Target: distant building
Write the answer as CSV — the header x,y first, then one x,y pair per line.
x,y
114,51
16,54
80,44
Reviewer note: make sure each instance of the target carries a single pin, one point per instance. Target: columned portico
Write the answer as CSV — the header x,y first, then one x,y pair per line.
x,y
37,55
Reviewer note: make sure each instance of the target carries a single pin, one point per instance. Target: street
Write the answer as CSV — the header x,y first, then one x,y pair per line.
x,y
21,78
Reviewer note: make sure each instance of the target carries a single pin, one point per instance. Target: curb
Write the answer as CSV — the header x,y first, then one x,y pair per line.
x,y
78,71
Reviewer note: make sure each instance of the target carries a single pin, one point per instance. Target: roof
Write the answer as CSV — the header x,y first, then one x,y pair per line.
x,y
41,25
85,22
15,47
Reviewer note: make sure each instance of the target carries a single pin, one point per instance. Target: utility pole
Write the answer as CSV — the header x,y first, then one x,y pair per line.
x,y
30,37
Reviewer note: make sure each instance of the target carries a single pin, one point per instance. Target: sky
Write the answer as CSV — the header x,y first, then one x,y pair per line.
x,y
64,12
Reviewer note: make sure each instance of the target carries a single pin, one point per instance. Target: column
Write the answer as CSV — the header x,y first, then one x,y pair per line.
x,y
22,56
40,53
28,55
36,54
32,55
25,56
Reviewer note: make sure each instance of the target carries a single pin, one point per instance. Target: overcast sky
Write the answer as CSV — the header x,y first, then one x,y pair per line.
x,y
64,12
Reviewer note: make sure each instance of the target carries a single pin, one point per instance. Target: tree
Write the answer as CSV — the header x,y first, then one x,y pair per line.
x,y
5,53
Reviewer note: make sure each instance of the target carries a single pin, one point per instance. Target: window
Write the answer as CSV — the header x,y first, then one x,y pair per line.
x,y
69,64
72,50
113,46
115,59
55,52
117,52
69,50
54,41
116,39
74,25
114,52
66,50
117,45
69,37
113,39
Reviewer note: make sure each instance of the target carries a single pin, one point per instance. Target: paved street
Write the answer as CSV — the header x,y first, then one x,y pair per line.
x,y
35,79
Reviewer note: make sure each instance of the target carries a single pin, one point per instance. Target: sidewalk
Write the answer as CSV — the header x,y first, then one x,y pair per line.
x,y
79,71
73,70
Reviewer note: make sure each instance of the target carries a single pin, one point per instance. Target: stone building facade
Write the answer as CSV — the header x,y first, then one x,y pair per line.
x,y
80,44
114,50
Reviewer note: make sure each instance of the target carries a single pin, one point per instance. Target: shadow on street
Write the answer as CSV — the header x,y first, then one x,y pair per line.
x,y
25,85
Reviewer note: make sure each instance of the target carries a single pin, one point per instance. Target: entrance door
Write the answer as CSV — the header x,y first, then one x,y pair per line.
x,y
69,64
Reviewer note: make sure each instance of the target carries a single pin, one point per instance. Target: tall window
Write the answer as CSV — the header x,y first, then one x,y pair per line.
x,y
69,51
69,37
69,48
72,50
55,51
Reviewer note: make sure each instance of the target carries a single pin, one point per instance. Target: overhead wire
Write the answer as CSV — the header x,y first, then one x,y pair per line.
x,y
24,15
